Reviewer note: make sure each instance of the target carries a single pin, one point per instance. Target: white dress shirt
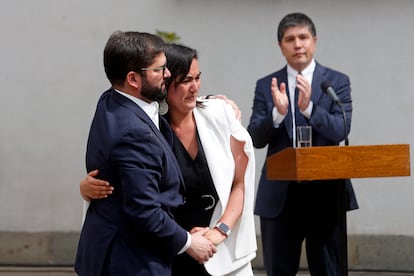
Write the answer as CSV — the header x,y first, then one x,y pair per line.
x,y
151,109
291,85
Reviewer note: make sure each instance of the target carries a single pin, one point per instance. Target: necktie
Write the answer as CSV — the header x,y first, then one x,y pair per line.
x,y
299,119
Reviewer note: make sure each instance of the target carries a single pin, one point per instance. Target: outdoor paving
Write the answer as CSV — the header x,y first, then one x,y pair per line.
x,y
68,271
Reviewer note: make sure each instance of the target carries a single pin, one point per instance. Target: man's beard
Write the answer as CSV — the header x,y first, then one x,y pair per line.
x,y
153,93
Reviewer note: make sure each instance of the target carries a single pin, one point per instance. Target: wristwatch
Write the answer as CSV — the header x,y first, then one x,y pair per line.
x,y
223,228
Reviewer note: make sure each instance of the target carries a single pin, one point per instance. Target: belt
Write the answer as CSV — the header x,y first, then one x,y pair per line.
x,y
204,201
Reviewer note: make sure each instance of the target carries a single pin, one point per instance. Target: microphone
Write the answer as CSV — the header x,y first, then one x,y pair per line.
x,y
327,88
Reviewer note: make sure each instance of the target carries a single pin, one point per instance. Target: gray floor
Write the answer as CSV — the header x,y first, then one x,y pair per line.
x,y
68,271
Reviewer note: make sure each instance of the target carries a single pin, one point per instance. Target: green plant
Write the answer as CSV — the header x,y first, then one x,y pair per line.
x,y
168,36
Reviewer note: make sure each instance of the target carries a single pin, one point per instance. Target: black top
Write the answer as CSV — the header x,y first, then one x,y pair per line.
x,y
200,194
200,200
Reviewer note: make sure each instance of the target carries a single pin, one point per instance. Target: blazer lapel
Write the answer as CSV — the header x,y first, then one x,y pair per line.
x,y
318,78
168,137
137,110
146,119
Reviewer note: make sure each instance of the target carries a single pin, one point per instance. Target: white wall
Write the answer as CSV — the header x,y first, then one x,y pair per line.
x,y
51,76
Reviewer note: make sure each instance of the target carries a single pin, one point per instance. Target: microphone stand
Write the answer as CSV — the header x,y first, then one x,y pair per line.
x,y
342,220
341,193
345,123
327,89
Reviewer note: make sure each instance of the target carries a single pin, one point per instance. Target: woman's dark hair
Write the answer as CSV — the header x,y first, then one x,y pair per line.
x,y
130,51
294,20
179,58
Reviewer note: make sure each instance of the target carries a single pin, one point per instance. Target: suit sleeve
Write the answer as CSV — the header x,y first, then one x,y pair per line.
x,y
261,126
327,117
149,186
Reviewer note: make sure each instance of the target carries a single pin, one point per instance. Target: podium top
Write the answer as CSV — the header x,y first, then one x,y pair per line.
x,y
339,162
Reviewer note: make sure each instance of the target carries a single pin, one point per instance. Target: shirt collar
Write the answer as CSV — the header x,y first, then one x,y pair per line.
x,y
307,72
151,109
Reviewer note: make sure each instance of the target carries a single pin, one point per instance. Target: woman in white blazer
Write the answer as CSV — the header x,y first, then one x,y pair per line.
x,y
216,156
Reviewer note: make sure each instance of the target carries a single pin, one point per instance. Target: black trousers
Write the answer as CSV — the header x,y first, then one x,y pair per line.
x,y
310,215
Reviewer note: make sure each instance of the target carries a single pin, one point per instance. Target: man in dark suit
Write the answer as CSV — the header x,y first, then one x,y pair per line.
x,y
291,212
133,231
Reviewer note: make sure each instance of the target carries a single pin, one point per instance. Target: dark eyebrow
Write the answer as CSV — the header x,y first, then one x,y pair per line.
x,y
191,77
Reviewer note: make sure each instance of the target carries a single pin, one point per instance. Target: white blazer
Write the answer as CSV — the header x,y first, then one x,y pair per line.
x,y
216,122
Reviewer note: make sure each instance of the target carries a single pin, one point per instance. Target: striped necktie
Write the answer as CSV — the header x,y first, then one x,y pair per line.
x,y
299,118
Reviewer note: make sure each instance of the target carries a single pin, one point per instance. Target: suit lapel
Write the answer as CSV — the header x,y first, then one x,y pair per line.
x,y
168,137
127,103
318,78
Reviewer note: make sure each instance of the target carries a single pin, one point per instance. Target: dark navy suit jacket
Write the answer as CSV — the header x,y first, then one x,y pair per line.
x,y
327,127
132,232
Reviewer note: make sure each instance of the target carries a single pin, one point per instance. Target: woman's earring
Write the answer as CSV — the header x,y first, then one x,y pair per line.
x,y
163,107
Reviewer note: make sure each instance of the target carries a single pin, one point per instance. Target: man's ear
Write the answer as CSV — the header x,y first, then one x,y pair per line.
x,y
133,79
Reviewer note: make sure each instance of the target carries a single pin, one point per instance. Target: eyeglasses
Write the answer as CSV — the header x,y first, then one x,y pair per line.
x,y
155,69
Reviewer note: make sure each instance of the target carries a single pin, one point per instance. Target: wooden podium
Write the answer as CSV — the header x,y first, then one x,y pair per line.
x,y
340,162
